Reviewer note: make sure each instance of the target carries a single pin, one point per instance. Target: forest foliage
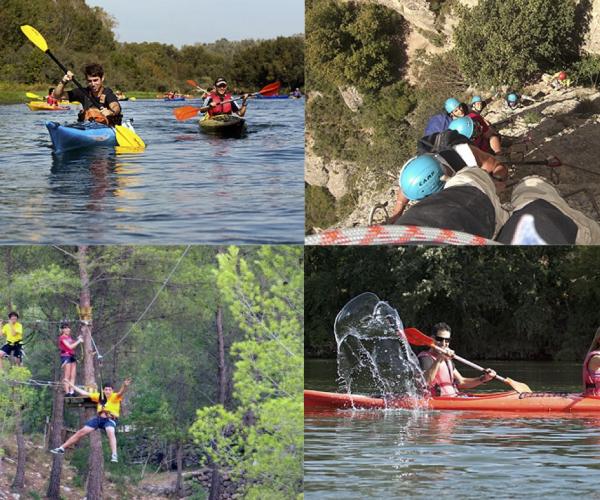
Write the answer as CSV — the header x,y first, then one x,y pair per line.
x,y
528,303
78,34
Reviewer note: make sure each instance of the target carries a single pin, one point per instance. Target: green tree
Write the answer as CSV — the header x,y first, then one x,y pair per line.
x,y
506,42
261,439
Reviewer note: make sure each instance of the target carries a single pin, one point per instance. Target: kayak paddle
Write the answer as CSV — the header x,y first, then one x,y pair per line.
x,y
125,136
416,337
31,95
187,112
193,83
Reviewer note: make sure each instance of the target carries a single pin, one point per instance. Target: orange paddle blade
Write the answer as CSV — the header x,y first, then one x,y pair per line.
x,y
520,387
192,83
270,89
416,337
185,112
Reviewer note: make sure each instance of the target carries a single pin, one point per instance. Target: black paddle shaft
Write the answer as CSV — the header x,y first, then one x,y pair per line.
x,y
95,101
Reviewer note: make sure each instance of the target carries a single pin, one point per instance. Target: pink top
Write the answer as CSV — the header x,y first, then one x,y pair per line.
x,y
591,380
65,350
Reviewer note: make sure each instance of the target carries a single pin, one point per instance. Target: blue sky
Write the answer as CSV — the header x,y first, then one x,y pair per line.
x,y
186,22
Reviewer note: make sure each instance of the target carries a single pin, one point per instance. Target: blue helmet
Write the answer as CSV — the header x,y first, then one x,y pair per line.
x,y
463,125
451,104
420,177
475,99
512,97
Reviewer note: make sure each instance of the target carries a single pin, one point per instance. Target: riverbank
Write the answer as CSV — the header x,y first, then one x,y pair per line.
x,y
11,93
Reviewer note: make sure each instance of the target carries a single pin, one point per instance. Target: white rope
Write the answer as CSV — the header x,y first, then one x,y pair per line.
x,y
395,235
162,287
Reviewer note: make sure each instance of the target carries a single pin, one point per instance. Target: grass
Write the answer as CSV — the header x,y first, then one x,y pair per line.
x,y
14,93
532,117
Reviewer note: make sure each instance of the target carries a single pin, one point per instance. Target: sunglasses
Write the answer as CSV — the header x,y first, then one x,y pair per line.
x,y
222,85
442,339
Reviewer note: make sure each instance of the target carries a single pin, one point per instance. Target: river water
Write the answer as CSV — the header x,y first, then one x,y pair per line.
x,y
428,454
185,187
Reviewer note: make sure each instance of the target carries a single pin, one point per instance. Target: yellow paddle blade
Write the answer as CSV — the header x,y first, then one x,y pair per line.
x,y
127,138
35,37
520,387
31,95
133,98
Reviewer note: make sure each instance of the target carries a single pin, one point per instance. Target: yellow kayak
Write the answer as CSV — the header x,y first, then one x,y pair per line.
x,y
44,106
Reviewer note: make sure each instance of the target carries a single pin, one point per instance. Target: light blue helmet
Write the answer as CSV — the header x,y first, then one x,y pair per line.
x,y
512,97
421,177
476,98
451,104
463,125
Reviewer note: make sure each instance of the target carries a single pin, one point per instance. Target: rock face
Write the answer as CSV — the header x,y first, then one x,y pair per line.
x,y
416,12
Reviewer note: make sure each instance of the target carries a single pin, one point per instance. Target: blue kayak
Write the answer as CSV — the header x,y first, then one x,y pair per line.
x,y
272,96
80,135
174,99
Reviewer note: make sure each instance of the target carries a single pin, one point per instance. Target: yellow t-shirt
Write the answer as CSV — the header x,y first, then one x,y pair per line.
x,y
112,406
7,331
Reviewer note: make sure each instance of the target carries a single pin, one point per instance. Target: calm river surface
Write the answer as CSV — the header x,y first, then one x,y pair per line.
x,y
403,454
186,186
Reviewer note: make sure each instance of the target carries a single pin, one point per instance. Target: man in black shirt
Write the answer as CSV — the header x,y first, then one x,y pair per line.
x,y
109,113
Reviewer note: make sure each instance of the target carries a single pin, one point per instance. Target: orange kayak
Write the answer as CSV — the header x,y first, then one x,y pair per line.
x,y
511,401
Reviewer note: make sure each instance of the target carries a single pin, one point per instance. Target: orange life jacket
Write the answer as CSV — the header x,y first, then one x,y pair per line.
x,y
220,109
94,114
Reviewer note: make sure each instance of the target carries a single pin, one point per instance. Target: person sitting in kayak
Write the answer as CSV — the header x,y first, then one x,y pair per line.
x,y
50,98
296,93
13,331
220,101
442,378
110,114
591,368
108,410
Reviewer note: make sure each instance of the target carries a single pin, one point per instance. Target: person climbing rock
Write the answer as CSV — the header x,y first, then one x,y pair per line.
x,y
558,81
108,411
453,109
440,157
469,203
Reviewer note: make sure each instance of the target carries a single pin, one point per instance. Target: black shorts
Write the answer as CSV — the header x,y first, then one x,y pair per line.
x,y
14,349
66,359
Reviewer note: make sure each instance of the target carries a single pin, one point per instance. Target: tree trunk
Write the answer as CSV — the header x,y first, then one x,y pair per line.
x,y
96,460
179,458
56,425
222,367
215,484
19,480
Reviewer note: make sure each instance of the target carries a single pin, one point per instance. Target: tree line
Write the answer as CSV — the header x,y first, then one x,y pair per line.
x,y
78,34
510,303
211,337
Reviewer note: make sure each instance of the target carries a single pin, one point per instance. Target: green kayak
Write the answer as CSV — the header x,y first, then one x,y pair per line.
x,y
223,125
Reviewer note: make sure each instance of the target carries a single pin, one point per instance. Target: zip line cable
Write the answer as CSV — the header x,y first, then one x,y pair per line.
x,y
162,287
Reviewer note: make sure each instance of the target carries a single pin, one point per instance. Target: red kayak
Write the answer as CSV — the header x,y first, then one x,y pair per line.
x,y
509,401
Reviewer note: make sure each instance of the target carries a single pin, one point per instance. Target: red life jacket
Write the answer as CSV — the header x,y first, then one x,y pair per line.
x,y
443,383
591,380
220,109
481,141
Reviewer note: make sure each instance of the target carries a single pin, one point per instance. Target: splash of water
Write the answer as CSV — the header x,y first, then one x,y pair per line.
x,y
373,354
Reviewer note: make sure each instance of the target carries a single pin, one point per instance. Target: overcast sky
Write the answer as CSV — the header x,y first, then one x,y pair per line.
x,y
186,22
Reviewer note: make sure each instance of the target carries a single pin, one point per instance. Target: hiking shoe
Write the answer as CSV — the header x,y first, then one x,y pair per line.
x,y
58,451
114,458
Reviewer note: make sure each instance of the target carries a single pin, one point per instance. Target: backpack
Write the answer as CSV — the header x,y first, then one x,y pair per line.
x,y
438,123
441,141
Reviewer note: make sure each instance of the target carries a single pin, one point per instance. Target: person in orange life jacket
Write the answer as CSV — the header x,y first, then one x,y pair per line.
x,y
442,377
50,98
108,410
213,105
68,361
109,114
591,368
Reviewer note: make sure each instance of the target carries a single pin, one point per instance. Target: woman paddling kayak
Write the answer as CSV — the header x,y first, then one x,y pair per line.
x,y
591,368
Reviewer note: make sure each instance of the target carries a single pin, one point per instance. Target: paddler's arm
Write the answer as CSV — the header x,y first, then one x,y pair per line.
x,y
470,383
59,90
242,110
